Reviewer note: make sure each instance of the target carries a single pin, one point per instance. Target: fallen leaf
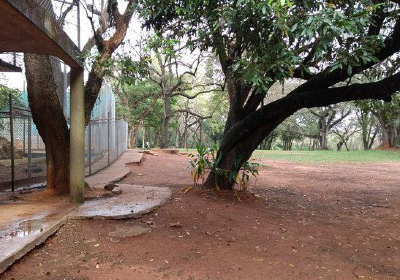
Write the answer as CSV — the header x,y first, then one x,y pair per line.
x,y
185,190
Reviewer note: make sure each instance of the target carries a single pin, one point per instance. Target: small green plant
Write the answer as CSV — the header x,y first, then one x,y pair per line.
x,y
206,161
242,176
202,162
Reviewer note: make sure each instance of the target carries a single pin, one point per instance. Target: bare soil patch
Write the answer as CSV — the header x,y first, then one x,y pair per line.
x,y
328,221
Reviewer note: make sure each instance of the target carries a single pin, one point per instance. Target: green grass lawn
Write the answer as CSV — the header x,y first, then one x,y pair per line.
x,y
329,156
325,156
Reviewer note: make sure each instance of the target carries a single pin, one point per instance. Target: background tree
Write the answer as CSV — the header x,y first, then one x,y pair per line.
x,y
329,117
368,124
135,104
289,131
388,116
344,132
175,75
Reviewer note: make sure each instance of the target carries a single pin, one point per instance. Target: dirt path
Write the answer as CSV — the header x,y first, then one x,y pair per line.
x,y
305,222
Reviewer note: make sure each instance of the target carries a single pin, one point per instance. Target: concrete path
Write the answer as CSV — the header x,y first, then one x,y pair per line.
x,y
116,171
134,202
27,220
26,223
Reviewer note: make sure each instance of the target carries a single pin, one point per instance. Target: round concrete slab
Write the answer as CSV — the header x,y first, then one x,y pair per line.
x,y
134,202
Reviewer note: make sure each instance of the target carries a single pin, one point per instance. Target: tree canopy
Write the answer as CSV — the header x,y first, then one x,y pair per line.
x,y
326,44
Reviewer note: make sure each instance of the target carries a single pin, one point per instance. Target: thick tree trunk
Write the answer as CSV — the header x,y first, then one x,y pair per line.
x,y
130,138
323,139
48,116
365,139
388,133
323,134
133,135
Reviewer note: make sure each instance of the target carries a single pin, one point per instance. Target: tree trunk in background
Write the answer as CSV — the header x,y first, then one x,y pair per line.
x,y
157,139
164,143
201,133
287,145
365,136
134,135
388,132
48,116
323,134
177,136
129,137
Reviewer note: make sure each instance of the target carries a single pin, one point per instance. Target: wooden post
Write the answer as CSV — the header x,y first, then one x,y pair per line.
x,y
77,137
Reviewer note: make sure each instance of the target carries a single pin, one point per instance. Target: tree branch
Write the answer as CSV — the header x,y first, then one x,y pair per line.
x,y
326,79
195,95
267,118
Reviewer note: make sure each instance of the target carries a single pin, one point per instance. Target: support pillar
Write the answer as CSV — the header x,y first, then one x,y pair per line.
x,y
77,136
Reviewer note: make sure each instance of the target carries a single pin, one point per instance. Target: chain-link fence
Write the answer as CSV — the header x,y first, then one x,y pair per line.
x,y
23,155
106,140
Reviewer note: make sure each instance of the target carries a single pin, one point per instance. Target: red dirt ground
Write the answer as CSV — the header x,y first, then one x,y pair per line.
x,y
304,222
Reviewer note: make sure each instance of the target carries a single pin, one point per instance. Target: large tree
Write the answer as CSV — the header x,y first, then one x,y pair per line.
x,y
388,116
177,77
43,84
260,42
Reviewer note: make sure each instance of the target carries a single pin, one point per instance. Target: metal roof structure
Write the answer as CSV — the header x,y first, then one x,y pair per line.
x,y
8,67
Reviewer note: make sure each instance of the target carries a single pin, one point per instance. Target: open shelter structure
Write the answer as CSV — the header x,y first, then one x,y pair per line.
x,y
29,28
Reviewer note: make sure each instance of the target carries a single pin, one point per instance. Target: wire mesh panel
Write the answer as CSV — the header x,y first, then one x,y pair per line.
x,y
28,163
20,163
121,136
5,151
96,147
23,153
105,141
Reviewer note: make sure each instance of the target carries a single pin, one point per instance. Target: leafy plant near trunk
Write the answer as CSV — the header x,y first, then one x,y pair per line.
x,y
205,161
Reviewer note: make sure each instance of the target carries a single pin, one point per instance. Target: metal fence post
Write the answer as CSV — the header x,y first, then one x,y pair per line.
x,y
23,135
12,144
90,148
108,139
116,137
29,147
